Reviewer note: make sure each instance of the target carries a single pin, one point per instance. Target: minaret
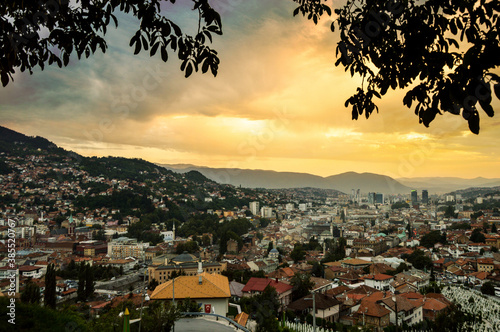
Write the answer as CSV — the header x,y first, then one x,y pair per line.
x,y
331,228
200,271
173,231
71,226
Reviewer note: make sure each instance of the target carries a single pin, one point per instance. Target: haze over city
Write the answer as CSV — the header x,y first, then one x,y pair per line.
x,y
277,103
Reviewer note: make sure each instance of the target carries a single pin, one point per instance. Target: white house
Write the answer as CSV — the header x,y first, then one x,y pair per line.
x,y
409,312
210,291
29,271
327,307
379,281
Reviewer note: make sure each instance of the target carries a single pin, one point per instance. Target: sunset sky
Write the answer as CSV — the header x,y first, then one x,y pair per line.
x,y
277,103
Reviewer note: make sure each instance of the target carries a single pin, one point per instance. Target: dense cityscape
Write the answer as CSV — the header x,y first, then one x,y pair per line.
x,y
86,239
230,165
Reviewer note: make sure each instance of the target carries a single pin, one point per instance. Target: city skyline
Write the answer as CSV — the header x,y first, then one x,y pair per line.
x,y
277,103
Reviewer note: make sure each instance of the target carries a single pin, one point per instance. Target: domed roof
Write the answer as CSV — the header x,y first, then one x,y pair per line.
x,y
274,250
185,257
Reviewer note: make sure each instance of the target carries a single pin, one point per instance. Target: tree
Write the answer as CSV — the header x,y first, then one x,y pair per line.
x,y
419,260
264,307
89,281
450,212
189,246
153,284
400,205
81,283
477,236
263,222
302,285
336,252
433,275
81,29
297,253
476,215
413,45
33,317
161,316
205,240
494,228
270,247
488,288
188,305
317,270
31,293
457,225
433,237
50,286
100,235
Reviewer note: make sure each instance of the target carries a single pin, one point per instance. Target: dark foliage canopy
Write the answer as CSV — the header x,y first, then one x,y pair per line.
x,y
419,260
488,288
31,293
443,52
302,285
79,28
50,287
433,237
477,236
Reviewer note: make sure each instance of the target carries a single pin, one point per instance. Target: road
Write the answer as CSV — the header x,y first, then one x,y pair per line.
x,y
121,282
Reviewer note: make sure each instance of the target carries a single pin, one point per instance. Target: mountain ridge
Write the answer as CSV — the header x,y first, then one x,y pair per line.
x,y
269,179
343,182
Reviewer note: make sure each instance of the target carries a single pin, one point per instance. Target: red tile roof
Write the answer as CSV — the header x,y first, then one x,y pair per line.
x,y
259,284
412,295
373,309
380,277
28,268
433,304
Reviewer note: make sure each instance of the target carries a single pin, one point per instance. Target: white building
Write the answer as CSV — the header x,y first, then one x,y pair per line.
x,y
124,247
30,271
254,208
409,312
266,212
379,281
210,291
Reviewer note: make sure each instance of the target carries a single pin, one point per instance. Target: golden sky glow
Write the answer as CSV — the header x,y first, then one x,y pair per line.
x,y
277,103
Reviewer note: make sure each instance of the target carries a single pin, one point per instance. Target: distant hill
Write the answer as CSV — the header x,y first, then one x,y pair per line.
x,y
441,185
9,139
14,143
473,192
345,182
367,182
